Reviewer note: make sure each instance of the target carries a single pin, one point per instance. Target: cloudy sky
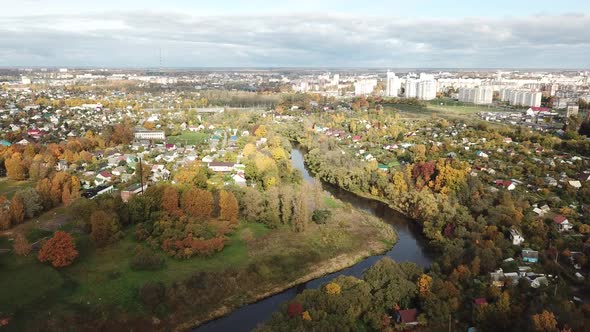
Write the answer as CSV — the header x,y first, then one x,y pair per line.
x,y
302,33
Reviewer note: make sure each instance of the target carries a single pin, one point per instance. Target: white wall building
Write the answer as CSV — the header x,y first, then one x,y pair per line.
x,y
479,95
394,84
521,97
150,135
364,87
423,88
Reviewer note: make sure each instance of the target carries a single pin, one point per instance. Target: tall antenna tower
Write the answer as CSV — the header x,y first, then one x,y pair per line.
x,y
160,69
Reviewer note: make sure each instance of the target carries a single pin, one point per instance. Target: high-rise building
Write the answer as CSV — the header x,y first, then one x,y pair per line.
x,y
479,95
411,88
364,87
393,85
521,97
426,89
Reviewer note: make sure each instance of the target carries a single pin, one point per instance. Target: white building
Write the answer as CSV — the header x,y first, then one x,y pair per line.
x,y
364,87
150,135
479,95
521,97
394,84
423,88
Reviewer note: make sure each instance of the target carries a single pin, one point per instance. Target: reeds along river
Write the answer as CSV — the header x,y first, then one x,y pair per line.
x,y
409,248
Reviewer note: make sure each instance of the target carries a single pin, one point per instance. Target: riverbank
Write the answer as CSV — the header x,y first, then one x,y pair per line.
x,y
321,269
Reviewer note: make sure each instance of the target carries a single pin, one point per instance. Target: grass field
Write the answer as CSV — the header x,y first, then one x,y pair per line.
x,y
9,187
444,108
102,278
187,137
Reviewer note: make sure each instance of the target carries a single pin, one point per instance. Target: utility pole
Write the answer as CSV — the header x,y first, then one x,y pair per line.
x,y
141,175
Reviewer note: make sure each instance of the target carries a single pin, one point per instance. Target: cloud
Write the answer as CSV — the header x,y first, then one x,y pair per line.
x,y
122,39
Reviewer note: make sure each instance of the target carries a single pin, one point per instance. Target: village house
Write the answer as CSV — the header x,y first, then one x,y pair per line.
x,y
103,177
516,238
132,190
407,316
530,256
221,167
509,185
562,223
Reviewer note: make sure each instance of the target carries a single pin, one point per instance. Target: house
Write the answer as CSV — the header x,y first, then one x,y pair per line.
x,y
539,281
576,184
480,301
99,190
482,154
516,238
5,143
408,316
509,185
223,167
239,179
530,256
582,177
497,278
356,138
102,177
132,190
563,223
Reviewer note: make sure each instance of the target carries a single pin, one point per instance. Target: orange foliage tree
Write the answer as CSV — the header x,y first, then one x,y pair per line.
x,y
228,205
197,203
17,209
60,250
170,200
22,247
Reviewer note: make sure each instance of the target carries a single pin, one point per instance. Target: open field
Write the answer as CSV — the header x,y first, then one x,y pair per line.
x,y
9,187
187,137
101,278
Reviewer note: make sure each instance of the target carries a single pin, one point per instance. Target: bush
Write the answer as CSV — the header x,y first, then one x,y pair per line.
x,y
152,294
146,259
321,216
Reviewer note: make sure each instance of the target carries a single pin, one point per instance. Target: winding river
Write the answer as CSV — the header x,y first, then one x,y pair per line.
x,y
409,248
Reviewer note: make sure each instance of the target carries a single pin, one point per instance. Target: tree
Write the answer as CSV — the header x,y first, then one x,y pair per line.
x,y
60,250
17,209
286,200
170,200
544,322
22,247
15,168
301,211
5,219
333,288
424,284
228,206
31,201
261,131
294,309
197,203
104,227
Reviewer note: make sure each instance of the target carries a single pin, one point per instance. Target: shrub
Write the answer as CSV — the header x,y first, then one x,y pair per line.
x,y
321,216
146,259
152,294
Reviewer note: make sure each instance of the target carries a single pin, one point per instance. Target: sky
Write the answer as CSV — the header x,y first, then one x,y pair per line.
x,y
303,33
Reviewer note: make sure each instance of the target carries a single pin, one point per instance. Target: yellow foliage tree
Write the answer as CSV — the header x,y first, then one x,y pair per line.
x,y
333,288
306,316
424,284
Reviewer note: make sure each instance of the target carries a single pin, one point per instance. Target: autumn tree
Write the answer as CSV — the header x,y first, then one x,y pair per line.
x,y
60,250
228,205
286,201
5,219
424,284
22,247
15,169
544,322
104,227
170,200
197,203
17,209
301,211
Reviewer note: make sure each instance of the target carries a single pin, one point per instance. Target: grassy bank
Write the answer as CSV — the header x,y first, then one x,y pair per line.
x,y
256,262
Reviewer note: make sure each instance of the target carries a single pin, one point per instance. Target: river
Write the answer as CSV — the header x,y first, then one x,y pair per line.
x,y
409,248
